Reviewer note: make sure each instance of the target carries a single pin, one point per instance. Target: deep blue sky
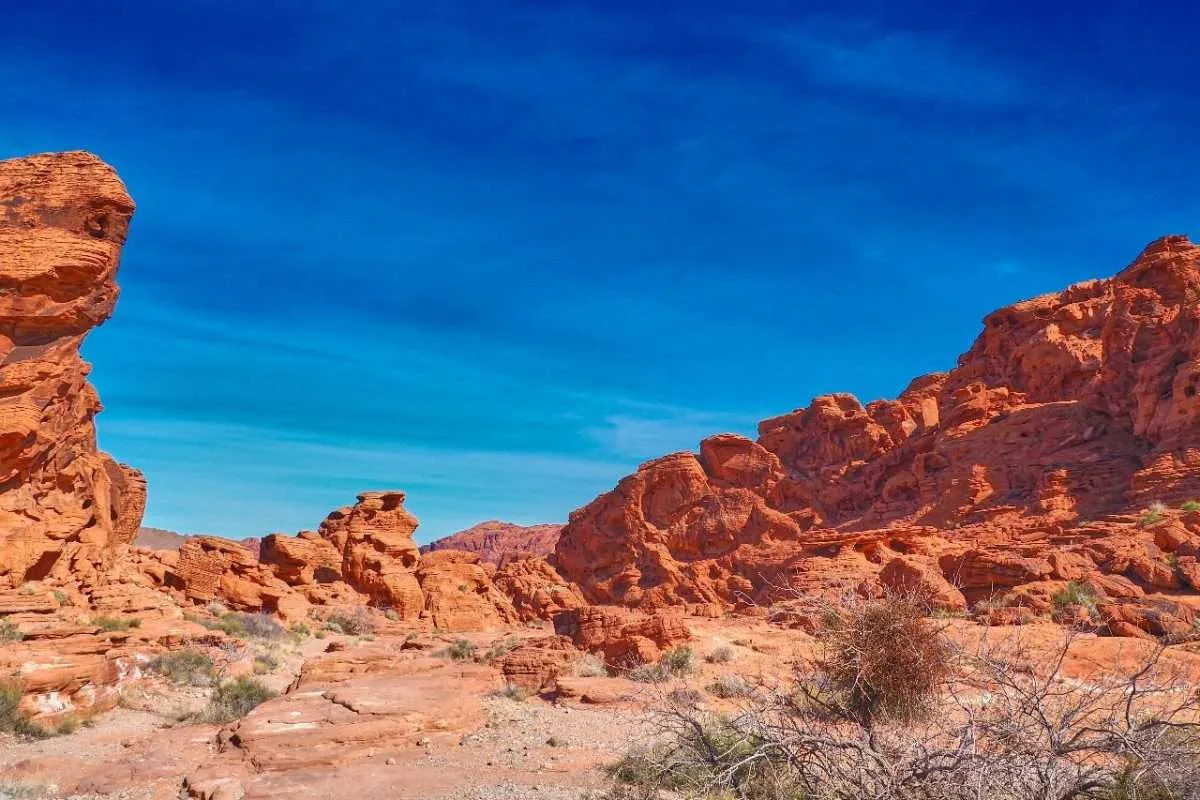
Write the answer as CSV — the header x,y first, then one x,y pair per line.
x,y
497,253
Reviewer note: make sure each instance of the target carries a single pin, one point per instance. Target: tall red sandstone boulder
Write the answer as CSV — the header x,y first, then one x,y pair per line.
x,y
64,506
1078,405
379,557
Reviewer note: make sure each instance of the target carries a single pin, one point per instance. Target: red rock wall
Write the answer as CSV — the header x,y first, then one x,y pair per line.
x,y
64,505
1067,408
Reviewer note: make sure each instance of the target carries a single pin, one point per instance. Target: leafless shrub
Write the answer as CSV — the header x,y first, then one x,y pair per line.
x,y
721,655
883,658
998,723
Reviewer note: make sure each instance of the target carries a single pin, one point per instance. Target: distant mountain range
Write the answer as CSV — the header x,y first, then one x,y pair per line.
x,y
494,540
160,539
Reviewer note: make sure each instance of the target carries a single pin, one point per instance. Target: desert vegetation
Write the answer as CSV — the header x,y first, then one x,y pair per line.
x,y
235,699
891,708
189,667
106,622
241,625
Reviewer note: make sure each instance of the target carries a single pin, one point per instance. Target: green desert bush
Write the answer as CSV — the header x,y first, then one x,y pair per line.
x,y
189,667
12,719
9,632
1190,505
1075,593
460,650
106,622
679,660
10,701
235,699
676,662
1153,515
242,625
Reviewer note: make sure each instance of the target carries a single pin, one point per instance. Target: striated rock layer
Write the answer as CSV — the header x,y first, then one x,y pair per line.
x,y
497,541
64,505
1024,466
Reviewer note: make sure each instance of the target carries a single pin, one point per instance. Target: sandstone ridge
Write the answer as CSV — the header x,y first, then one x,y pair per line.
x,y
1021,469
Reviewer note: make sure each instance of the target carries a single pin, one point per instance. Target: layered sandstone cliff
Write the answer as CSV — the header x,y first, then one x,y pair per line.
x,y
1012,469
65,507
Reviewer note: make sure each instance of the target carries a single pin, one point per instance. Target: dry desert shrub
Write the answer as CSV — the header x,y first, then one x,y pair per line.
x,y
354,623
890,709
883,659
189,666
590,665
234,700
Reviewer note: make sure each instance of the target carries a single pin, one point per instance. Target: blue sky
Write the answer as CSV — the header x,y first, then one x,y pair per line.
x,y
497,253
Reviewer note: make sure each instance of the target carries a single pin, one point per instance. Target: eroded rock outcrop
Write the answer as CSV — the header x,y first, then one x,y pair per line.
x,y
64,506
624,638
362,554
1023,466
535,588
459,594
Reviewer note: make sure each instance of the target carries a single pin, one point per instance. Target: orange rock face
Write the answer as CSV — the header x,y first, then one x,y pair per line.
x,y
1012,469
64,505
624,638
536,589
497,541
459,594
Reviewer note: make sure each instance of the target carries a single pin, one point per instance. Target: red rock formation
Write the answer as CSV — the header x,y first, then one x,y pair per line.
x,y
496,541
362,554
624,638
379,557
536,590
209,568
161,539
536,664
64,505
1069,409
459,594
